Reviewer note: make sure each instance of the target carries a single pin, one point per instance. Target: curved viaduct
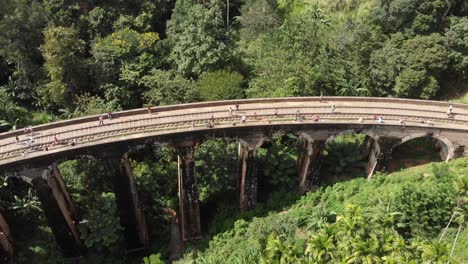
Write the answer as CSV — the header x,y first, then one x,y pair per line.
x,y
34,156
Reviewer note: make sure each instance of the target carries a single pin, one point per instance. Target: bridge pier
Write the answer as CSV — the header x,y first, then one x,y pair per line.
x,y
380,154
448,152
60,212
189,205
132,217
461,151
309,163
248,171
6,239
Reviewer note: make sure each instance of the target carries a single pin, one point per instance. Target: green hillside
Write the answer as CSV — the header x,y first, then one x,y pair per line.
x,y
395,218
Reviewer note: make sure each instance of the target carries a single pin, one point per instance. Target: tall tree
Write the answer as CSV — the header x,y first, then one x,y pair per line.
x,y
21,24
62,51
418,16
200,41
258,17
120,60
409,67
457,39
285,62
221,85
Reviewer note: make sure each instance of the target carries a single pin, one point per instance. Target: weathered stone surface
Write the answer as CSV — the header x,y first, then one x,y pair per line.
x,y
64,201
6,240
57,219
248,170
189,204
132,217
381,154
309,163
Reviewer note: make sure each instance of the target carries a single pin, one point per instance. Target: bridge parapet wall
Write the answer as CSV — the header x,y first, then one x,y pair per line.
x,y
227,103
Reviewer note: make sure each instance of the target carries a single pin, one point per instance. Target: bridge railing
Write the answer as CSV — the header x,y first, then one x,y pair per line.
x,y
117,121
140,111
166,122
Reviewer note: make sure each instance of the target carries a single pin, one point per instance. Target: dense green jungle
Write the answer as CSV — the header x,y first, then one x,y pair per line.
x,y
65,59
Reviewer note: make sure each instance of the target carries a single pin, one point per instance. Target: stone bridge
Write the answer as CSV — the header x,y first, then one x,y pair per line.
x,y
34,155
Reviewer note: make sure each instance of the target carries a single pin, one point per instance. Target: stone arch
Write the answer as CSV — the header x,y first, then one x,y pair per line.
x,y
47,172
277,161
447,148
372,149
25,179
54,200
351,132
254,143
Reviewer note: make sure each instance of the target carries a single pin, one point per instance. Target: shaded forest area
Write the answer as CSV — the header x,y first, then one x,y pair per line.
x,y
62,59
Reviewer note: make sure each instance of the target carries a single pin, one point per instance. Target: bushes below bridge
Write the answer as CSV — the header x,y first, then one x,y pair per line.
x,y
412,206
393,218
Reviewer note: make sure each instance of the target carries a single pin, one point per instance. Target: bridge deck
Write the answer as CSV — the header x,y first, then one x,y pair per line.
x,y
190,117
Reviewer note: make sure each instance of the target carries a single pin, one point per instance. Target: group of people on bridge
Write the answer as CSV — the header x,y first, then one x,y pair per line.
x,y
298,116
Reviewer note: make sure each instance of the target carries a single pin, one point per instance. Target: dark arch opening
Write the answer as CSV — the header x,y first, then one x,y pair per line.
x,y
217,170
25,212
89,184
417,151
155,172
346,156
277,165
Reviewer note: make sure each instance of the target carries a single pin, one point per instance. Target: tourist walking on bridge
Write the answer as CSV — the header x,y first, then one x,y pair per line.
x,y
101,120
298,115
28,130
333,108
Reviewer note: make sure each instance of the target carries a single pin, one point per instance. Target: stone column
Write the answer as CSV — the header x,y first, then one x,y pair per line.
x,y
6,240
248,171
447,150
60,212
460,151
380,154
64,200
309,163
132,217
175,242
189,205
